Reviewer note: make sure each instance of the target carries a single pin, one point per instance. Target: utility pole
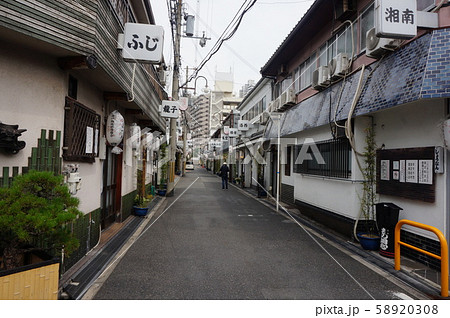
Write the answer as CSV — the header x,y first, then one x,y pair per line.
x,y
175,88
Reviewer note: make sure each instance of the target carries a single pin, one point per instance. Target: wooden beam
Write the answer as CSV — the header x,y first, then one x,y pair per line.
x,y
115,96
78,62
129,111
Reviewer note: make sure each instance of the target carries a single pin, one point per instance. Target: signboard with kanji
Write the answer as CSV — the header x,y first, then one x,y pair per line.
x,y
170,109
243,125
396,19
233,132
143,43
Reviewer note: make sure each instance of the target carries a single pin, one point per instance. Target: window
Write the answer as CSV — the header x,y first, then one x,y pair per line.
x,y
287,167
367,22
337,156
323,59
306,70
73,87
425,5
81,132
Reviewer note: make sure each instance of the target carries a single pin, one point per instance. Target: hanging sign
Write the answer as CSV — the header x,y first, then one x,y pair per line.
x,y
226,130
170,109
243,125
233,133
143,43
396,19
184,103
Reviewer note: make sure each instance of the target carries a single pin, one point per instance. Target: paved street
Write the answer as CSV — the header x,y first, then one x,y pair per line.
x,y
209,243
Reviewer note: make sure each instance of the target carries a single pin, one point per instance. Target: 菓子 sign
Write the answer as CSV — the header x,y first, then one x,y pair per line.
x,y
170,109
143,43
396,19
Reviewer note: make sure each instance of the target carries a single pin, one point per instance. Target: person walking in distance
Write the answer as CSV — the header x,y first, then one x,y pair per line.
x,y
224,170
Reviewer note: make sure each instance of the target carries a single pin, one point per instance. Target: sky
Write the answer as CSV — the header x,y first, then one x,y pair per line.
x,y
261,32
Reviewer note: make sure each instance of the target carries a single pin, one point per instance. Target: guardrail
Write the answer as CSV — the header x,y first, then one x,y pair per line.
x,y
444,250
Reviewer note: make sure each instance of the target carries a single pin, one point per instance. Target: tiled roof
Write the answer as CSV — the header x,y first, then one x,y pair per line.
x,y
418,70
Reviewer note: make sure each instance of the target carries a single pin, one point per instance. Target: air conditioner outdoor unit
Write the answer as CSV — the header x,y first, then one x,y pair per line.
x,y
338,66
320,78
376,47
276,104
269,107
287,97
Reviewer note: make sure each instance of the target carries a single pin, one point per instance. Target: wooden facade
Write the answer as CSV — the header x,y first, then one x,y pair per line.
x,y
88,28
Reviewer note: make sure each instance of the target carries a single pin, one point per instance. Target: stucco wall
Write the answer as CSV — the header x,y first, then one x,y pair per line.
x,y
408,126
416,125
32,94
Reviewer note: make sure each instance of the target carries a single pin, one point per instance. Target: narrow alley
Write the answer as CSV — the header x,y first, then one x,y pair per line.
x,y
209,243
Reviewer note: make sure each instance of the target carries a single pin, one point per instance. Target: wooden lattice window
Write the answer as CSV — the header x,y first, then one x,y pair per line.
x,y
81,132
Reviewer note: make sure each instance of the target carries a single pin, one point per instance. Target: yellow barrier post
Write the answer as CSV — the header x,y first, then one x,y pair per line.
x,y
444,250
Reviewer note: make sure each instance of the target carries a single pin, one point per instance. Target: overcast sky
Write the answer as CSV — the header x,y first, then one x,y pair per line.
x,y
261,32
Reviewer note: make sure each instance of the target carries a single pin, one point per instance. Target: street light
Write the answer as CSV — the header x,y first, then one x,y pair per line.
x,y
206,89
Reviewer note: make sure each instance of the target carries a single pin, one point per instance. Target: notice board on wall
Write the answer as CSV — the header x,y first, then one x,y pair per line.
x,y
407,173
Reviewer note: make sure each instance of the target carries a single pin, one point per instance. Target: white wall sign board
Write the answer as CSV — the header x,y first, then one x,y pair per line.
x,y
170,109
243,125
384,170
143,43
396,19
233,133
426,171
411,171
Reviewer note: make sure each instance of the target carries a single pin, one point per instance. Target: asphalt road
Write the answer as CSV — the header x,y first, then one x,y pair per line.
x,y
209,243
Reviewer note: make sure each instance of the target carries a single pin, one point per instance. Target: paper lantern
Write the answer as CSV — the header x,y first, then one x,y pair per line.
x,y
115,125
135,132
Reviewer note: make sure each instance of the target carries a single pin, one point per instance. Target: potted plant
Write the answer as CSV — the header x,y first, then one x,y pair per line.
x,y
35,214
369,238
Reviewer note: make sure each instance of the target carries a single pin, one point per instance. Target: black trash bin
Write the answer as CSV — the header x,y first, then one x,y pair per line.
x,y
387,218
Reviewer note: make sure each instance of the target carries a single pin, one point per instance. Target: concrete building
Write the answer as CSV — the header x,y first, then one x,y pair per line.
x,y
331,89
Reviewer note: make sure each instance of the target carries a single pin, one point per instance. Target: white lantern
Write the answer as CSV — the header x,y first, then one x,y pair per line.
x,y
114,128
135,132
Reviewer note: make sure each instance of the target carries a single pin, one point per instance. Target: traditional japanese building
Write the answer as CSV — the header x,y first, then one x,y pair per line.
x,y
62,76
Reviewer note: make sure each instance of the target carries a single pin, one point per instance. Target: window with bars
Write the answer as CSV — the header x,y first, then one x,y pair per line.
x,y
81,132
337,156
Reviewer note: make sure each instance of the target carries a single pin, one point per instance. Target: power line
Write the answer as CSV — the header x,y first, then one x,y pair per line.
x,y
226,35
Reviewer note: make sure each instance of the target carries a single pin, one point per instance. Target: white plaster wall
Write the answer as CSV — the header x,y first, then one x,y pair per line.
x,y
416,125
91,173
335,195
413,125
32,94
32,91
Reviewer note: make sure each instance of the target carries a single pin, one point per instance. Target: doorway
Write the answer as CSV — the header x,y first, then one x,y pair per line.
x,y
112,184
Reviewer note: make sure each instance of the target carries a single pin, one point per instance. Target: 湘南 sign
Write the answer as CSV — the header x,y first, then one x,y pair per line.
x,y
396,19
170,109
143,43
